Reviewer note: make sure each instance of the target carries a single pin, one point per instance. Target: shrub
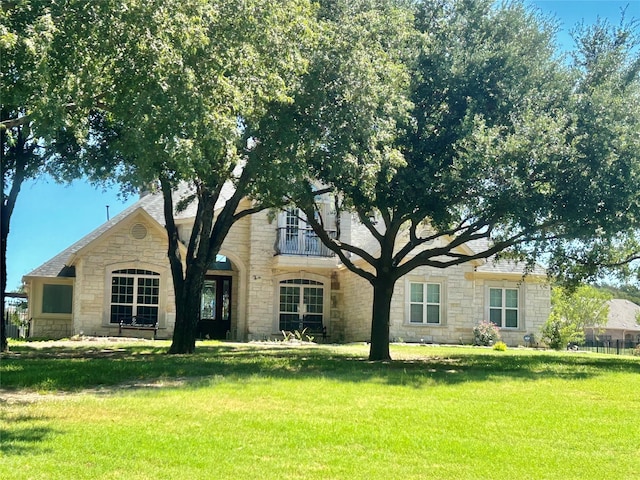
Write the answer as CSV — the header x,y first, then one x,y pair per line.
x,y
636,351
486,333
558,333
296,336
500,346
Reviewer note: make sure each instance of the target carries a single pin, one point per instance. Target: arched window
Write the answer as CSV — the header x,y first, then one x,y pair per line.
x,y
134,293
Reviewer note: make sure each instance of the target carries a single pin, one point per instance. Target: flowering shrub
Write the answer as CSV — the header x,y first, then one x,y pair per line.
x,y
500,346
486,333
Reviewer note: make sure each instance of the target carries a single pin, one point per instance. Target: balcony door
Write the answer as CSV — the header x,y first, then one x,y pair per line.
x,y
299,238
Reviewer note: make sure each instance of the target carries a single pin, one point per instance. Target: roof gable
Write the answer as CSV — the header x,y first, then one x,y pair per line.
x,y
623,315
60,265
139,215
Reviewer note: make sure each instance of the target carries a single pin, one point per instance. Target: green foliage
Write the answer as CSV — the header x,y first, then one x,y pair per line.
x,y
486,333
182,84
626,292
45,60
297,336
439,122
557,334
500,346
571,312
197,73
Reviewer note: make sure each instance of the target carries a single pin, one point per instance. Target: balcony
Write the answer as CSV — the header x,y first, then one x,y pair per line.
x,y
302,242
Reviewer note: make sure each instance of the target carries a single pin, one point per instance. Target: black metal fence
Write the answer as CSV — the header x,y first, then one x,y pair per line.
x,y
612,347
16,316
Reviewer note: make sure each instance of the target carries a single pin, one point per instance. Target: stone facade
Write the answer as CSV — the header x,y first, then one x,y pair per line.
x,y
138,241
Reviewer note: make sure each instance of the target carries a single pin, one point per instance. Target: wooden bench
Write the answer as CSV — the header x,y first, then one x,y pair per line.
x,y
139,323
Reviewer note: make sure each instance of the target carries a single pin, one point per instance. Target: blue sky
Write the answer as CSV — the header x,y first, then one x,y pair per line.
x,y
49,217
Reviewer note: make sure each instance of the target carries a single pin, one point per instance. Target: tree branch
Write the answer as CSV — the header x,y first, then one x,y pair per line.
x,y
340,248
366,221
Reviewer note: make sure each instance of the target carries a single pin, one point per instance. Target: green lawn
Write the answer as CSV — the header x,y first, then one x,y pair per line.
x,y
238,411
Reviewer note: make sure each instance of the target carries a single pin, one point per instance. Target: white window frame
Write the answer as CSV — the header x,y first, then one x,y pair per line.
x,y
322,282
109,274
137,276
425,303
425,280
503,308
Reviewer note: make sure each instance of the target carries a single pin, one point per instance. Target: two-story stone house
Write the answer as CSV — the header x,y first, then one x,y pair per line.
x,y
272,274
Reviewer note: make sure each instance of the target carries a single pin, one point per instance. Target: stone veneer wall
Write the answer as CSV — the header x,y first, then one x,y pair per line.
x,y
236,249
263,278
48,325
260,286
459,310
357,306
119,250
51,328
464,305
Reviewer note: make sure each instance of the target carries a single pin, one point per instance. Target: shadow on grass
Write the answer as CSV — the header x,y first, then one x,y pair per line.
x,y
24,438
102,367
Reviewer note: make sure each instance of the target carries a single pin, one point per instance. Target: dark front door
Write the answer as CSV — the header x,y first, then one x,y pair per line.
x,y
215,308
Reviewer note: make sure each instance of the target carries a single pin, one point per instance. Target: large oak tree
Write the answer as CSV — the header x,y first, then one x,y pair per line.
x,y
45,58
182,83
443,122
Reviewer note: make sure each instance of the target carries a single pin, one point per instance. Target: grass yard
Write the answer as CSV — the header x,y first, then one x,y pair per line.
x,y
270,411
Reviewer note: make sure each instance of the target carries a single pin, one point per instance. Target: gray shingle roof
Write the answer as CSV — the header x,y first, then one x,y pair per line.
x,y
152,203
503,265
55,267
623,315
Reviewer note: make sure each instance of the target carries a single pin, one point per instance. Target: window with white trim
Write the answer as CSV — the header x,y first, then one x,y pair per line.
x,y
503,307
301,305
134,293
425,305
292,225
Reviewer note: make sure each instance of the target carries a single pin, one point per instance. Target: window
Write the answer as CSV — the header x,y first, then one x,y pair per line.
x,y
134,293
424,303
57,298
503,307
301,305
292,223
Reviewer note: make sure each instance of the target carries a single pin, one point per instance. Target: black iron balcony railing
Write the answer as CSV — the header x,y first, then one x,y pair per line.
x,y
301,241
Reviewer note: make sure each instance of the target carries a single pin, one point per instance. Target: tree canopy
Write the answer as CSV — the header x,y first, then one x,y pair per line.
x,y
466,126
46,60
181,83
571,311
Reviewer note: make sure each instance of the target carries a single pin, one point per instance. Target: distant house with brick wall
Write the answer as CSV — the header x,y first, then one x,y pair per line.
x,y
623,325
272,274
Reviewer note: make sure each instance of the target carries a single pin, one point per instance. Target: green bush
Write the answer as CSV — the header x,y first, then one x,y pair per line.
x,y
557,333
500,346
486,333
571,312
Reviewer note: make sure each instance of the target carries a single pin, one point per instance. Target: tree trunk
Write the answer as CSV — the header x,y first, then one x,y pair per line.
x,y
6,210
4,345
206,238
382,293
187,315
